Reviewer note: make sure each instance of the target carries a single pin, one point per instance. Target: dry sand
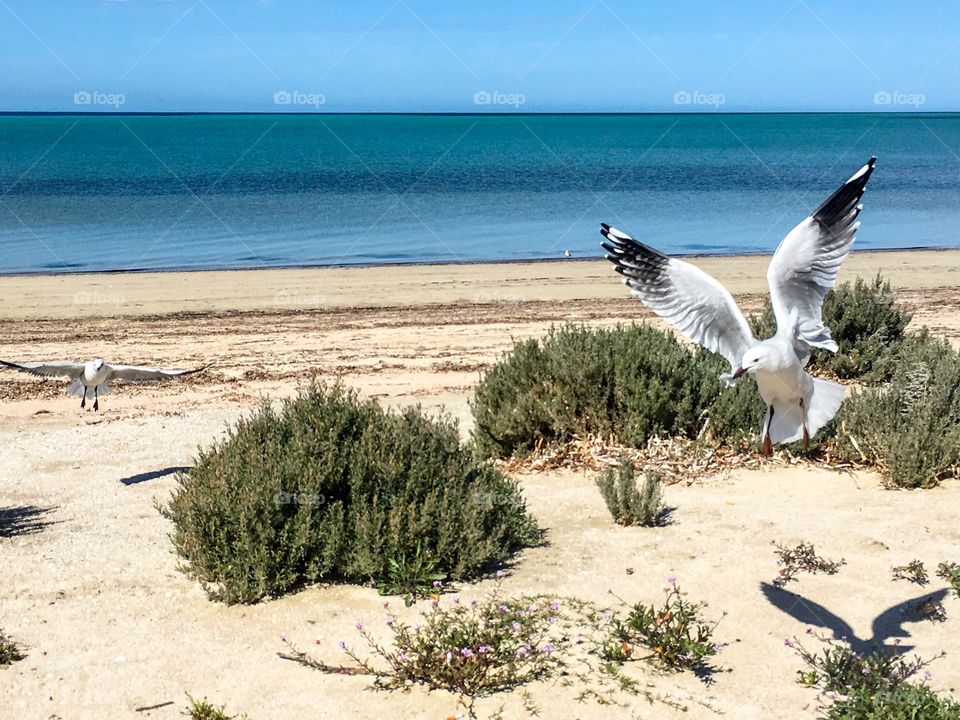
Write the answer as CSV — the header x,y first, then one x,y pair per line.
x,y
111,625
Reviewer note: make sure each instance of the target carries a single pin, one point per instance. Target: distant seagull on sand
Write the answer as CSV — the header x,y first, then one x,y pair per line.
x,y
96,374
803,269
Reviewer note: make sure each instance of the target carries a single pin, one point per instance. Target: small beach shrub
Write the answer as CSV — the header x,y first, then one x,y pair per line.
x,y
412,578
628,504
629,382
674,636
905,702
492,644
950,571
914,571
802,558
331,487
203,710
910,426
10,651
869,685
865,322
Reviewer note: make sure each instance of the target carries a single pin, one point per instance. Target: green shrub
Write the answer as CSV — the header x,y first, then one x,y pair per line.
x,y
950,572
331,487
867,325
628,504
203,710
906,702
10,652
675,634
911,425
631,382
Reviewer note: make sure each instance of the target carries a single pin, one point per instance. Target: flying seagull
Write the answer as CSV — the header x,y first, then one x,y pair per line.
x,y
803,269
95,375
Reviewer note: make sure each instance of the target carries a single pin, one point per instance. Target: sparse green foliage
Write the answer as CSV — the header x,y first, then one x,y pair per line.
x,y
914,571
910,426
332,487
413,578
493,644
802,558
867,325
905,702
628,504
203,710
874,685
950,572
674,635
10,651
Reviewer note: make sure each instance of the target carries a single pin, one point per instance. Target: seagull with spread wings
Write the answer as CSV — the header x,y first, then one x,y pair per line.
x,y
802,271
95,375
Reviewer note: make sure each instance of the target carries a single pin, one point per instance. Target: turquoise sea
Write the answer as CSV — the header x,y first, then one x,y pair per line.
x,y
116,192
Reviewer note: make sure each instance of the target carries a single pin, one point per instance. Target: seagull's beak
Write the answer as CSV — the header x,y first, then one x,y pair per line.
x,y
738,372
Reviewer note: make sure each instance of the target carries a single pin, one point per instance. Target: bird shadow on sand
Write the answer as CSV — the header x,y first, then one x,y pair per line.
x,y
888,624
153,474
23,520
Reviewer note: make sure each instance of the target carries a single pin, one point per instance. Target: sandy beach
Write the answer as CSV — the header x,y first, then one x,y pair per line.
x,y
110,625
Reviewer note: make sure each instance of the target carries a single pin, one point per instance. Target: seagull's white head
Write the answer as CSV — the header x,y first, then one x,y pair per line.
x,y
756,358
98,363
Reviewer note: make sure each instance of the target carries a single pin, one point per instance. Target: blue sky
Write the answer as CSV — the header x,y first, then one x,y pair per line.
x,y
425,55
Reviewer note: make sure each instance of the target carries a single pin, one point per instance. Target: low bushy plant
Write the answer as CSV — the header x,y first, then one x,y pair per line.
x,y
950,571
628,504
802,558
910,426
203,710
629,382
870,685
914,571
865,322
332,487
905,702
492,644
10,651
674,636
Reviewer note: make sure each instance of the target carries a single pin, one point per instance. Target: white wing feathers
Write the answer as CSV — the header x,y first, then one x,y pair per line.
x,y
133,373
805,266
682,294
56,368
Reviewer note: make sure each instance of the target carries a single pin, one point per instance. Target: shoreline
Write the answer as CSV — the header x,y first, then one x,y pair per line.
x,y
423,263
318,289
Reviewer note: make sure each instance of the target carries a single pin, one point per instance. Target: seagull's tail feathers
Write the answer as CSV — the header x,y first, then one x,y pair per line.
x,y
821,405
75,388
103,389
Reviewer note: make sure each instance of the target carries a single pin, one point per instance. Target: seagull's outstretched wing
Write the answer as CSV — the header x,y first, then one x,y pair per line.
x,y
810,613
805,265
889,623
133,373
682,294
56,368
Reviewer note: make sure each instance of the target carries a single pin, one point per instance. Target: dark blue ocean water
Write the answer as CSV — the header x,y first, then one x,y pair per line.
x,y
81,193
